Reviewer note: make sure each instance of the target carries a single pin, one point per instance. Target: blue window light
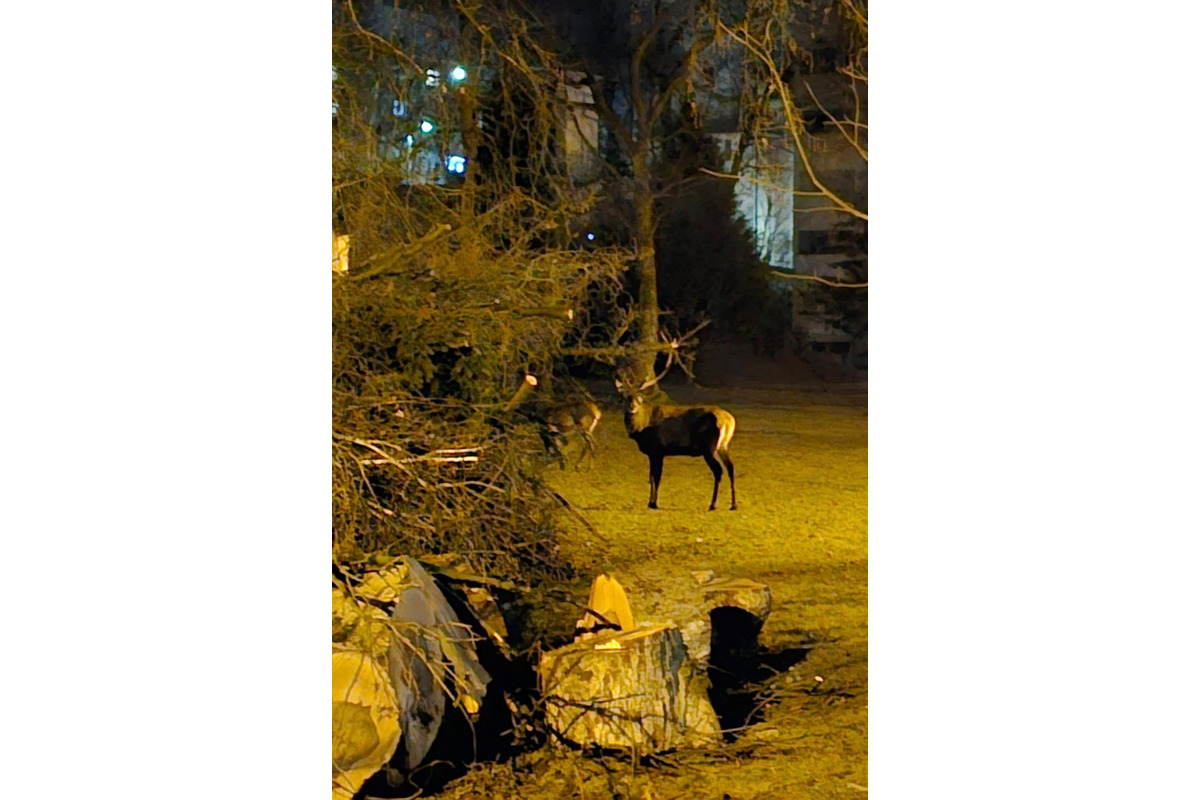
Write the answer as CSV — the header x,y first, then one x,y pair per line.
x,y
459,73
457,164
426,126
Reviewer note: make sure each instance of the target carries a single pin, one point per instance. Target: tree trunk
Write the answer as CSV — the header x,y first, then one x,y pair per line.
x,y
631,690
643,198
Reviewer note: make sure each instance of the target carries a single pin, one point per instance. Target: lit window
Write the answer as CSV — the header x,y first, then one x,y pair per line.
x,y
408,140
458,74
457,164
432,77
426,126
399,108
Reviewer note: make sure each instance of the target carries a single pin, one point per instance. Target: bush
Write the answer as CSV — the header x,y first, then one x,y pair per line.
x,y
459,284
708,267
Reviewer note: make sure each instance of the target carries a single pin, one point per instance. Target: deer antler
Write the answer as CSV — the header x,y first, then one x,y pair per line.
x,y
677,353
678,345
670,360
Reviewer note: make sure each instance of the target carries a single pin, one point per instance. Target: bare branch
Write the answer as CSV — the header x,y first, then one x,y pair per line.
x,y
760,183
615,124
858,15
680,77
759,49
792,276
641,120
852,139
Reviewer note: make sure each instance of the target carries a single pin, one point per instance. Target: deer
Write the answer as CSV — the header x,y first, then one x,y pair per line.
x,y
580,415
662,430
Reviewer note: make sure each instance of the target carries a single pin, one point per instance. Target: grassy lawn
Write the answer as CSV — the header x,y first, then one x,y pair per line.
x,y
801,528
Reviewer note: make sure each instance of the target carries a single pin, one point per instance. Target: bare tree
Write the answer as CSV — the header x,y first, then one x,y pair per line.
x,y
777,38
639,58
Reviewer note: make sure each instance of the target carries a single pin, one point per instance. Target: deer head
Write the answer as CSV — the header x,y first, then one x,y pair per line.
x,y
635,392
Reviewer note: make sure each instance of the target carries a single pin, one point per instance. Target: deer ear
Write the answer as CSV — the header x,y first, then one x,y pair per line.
x,y
620,386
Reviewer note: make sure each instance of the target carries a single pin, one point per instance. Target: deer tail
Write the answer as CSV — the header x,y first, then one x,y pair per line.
x,y
726,425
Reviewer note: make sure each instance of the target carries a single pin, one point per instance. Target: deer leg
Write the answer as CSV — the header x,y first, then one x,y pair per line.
x,y
589,449
582,451
656,465
716,471
729,468
553,442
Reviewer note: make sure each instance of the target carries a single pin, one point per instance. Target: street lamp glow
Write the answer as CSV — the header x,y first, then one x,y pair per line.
x,y
426,126
459,73
591,236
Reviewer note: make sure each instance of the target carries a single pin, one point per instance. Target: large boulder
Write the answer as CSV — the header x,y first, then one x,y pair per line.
x,y
431,658
366,720
396,671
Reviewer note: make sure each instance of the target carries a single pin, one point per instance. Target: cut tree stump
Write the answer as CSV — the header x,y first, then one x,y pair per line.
x,y
751,596
632,690
687,601
607,608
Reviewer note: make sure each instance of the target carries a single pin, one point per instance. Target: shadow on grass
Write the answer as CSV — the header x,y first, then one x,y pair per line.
x,y
737,664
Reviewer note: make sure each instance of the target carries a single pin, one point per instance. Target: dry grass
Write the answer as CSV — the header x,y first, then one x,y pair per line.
x,y
801,528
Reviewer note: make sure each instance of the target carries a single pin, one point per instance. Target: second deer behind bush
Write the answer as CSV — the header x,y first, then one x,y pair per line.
x,y
580,415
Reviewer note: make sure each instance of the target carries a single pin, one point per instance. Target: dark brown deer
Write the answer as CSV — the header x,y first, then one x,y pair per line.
x,y
668,430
